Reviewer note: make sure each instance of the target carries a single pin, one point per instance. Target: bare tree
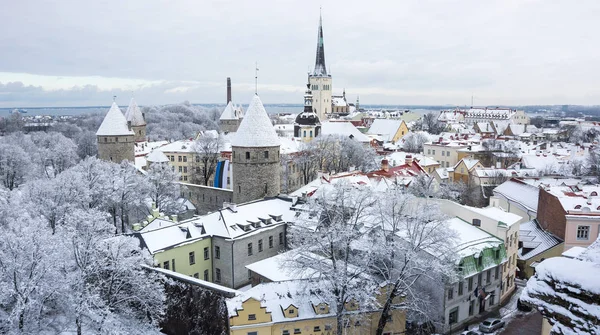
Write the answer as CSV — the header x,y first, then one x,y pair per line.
x,y
431,124
207,151
164,186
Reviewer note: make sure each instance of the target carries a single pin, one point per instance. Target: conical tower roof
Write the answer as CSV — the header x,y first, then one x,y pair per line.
x,y
114,123
256,129
134,114
229,112
320,68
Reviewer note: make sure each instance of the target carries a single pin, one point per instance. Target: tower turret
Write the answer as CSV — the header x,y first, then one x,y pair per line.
x,y
115,137
256,166
137,119
307,125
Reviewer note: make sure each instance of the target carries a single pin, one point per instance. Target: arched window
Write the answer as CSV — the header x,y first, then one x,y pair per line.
x,y
578,207
305,133
594,194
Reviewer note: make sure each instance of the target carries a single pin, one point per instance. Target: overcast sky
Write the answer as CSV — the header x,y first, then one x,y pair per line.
x,y
74,53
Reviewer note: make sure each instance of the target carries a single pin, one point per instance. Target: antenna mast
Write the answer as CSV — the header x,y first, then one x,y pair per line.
x,y
256,78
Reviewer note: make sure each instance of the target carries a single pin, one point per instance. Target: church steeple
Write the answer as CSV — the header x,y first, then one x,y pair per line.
x,y
320,68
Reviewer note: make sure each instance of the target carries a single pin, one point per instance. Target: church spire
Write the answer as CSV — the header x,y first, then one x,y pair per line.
x,y
320,69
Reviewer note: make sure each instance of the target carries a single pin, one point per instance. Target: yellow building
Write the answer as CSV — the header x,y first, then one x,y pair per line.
x,y
463,169
389,130
183,247
289,307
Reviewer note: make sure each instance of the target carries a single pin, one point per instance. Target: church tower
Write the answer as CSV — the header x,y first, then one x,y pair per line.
x,y
320,81
137,119
307,125
115,137
255,160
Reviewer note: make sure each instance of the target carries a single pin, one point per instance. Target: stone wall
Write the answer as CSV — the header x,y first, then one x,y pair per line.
x,y
229,126
256,173
140,133
116,148
206,198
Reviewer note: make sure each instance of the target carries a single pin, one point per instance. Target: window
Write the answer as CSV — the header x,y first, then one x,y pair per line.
x,y
480,260
217,252
317,329
206,255
304,133
185,169
266,154
280,238
453,316
470,284
173,264
297,331
480,279
260,245
247,154
185,159
218,274
488,276
429,151
252,333
471,307
181,169
433,152
447,153
583,232
192,257
491,299
285,332
497,273
166,265
477,222
443,153
292,311
249,274
498,254
251,317
460,288
206,275
450,293
116,139
270,242
249,249
179,159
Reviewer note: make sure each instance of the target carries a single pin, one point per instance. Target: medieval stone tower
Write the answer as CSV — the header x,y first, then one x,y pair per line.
x,y
255,159
320,81
137,119
115,137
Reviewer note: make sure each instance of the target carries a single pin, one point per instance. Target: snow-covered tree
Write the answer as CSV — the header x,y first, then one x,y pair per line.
x,y
411,247
164,186
325,238
413,142
15,165
54,152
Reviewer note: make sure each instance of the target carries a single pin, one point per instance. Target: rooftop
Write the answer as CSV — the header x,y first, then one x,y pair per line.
x,y
114,123
256,129
535,240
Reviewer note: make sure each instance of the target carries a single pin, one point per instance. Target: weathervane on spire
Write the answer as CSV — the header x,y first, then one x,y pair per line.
x,y
256,79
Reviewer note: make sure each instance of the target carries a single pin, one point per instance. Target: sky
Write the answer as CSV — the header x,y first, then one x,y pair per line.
x,y
505,52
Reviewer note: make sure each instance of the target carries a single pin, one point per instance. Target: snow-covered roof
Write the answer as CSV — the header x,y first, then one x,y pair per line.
x,y
173,234
489,113
345,129
442,172
497,214
134,114
520,192
290,145
339,101
195,281
469,163
472,240
114,123
231,112
256,129
277,268
157,156
275,297
535,240
574,252
386,128
183,146
580,200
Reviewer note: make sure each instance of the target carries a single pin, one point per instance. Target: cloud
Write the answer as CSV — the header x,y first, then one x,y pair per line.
x,y
425,52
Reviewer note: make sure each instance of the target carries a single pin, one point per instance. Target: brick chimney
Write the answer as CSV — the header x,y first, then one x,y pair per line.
x,y
385,166
228,89
408,160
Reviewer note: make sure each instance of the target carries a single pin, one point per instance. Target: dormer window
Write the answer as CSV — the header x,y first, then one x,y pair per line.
x,y
292,311
578,207
251,317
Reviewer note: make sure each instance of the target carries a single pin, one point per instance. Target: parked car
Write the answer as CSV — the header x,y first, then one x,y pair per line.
x,y
470,332
491,325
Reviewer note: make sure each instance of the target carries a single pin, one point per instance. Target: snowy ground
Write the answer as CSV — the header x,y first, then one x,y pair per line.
x,y
509,312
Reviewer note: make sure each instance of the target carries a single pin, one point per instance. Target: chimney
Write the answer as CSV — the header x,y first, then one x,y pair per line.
x,y
409,160
385,166
228,89
441,139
